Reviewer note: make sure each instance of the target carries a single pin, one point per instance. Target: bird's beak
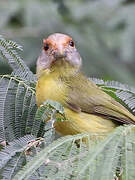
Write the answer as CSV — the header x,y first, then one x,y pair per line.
x,y
59,53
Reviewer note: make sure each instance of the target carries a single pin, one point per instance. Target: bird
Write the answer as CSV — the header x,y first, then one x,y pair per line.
x,y
88,109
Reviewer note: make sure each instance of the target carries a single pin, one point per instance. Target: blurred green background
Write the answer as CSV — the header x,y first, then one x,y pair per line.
x,y
104,32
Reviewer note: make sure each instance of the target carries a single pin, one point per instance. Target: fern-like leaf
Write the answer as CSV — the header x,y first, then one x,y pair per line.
x,y
8,51
18,108
12,157
128,156
97,160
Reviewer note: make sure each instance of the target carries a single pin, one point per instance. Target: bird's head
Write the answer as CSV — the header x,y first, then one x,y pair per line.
x,y
58,49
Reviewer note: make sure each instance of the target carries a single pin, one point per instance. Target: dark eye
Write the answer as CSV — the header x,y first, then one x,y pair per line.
x,y
71,43
46,46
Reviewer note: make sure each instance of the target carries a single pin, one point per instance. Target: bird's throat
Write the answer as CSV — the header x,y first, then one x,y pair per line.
x,y
60,68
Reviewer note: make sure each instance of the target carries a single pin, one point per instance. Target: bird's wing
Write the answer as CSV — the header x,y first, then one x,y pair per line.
x,y
85,96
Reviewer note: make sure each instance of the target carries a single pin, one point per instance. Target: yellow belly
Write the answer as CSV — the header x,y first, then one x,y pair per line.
x,y
83,123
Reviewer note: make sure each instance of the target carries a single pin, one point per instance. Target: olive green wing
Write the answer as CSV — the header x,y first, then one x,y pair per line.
x,y
85,96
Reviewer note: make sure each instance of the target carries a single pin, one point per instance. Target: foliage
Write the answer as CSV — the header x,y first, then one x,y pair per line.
x,y
30,148
96,161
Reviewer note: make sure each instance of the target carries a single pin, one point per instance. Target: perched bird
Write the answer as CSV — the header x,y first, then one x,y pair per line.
x,y
87,108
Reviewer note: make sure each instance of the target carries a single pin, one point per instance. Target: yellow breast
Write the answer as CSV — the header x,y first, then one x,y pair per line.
x,y
50,87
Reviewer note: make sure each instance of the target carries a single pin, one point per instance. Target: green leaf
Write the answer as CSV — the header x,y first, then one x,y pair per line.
x,y
97,160
128,156
57,106
18,108
12,157
8,50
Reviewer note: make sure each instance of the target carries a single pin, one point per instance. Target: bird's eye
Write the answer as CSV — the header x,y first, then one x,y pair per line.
x,y
71,43
46,46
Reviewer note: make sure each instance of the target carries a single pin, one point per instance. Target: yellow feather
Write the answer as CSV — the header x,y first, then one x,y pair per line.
x,y
49,87
83,123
